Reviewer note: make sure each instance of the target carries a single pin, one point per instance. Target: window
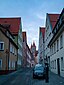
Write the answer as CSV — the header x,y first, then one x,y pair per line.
x,y
54,31
62,18
51,64
54,47
15,52
61,41
58,24
1,46
50,34
62,66
57,45
55,64
11,48
0,64
9,65
13,64
50,50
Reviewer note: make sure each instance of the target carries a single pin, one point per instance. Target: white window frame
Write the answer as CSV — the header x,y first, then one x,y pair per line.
x,y
3,46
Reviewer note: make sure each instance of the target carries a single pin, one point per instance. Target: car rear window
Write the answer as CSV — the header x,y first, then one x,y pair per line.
x,y
39,68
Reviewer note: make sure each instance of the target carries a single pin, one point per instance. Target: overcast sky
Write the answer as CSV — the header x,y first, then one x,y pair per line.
x,y
32,13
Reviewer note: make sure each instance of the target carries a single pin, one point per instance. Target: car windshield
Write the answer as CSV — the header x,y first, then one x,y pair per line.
x,y
39,68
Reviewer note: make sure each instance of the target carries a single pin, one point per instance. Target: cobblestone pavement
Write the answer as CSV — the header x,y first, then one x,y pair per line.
x,y
24,77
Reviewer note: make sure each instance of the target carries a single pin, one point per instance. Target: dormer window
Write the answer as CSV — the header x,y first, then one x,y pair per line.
x,y
7,33
58,24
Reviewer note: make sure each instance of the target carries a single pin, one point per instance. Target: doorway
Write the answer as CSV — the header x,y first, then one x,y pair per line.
x,y
58,66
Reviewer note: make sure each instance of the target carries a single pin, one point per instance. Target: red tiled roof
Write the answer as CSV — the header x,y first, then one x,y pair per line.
x,y
13,22
53,19
42,29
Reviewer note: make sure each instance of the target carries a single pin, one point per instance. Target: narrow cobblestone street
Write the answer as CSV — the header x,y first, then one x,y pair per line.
x,y
24,77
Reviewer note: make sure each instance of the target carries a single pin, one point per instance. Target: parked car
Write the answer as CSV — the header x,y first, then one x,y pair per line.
x,y
39,71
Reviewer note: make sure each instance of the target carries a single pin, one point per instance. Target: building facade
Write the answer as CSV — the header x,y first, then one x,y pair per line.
x,y
24,37
41,45
29,56
16,30
56,46
51,20
36,57
34,54
8,50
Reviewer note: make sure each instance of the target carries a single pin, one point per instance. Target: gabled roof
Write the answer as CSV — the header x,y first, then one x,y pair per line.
x,y
42,29
53,19
7,35
57,29
13,22
5,29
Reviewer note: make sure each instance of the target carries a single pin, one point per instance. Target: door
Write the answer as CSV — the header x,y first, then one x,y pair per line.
x,y
58,66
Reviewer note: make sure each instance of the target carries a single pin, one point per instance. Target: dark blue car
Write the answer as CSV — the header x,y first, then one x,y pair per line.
x,y
39,71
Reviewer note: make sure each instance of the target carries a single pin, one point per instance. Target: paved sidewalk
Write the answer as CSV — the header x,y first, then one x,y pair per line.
x,y
4,78
54,79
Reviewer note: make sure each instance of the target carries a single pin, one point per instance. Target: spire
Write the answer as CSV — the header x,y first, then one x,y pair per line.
x,y
33,43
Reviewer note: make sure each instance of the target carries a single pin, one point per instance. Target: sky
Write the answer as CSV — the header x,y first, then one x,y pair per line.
x,y
32,13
